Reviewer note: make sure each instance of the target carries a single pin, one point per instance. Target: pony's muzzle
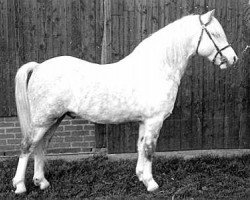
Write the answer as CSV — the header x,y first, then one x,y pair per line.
x,y
228,63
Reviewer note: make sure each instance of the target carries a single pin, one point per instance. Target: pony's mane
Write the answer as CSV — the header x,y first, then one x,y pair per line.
x,y
170,41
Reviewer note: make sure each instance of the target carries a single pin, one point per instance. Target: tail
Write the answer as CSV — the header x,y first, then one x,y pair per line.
x,y
22,101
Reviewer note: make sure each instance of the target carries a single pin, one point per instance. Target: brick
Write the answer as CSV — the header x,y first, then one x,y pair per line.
x,y
11,119
73,139
7,147
73,128
7,124
86,150
17,124
61,144
14,141
89,127
3,142
57,139
79,121
2,130
92,133
65,122
92,144
60,128
80,144
12,153
79,133
62,133
89,138
6,136
13,130
18,135
64,150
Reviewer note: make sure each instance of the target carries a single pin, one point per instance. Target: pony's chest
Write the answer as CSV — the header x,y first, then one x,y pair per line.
x,y
162,98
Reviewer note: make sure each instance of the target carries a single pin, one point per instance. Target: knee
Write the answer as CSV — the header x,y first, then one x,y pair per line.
x,y
28,146
149,150
25,146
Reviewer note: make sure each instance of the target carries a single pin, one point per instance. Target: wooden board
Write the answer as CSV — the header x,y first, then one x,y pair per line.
x,y
212,107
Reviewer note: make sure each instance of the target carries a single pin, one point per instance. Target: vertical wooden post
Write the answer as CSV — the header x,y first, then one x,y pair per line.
x,y
101,129
106,41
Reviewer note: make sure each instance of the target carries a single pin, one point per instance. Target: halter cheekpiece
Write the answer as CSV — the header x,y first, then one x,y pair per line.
x,y
219,51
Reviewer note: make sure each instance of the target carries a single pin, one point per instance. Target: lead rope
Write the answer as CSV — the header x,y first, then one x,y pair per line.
x,y
241,56
246,48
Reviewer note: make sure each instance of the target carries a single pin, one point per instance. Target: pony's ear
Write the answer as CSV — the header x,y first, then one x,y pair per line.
x,y
207,17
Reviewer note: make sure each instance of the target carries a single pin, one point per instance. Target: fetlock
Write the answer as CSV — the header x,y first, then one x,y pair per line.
x,y
150,184
41,182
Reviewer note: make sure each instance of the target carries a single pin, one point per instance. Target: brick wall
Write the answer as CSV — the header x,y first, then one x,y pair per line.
x,y
72,136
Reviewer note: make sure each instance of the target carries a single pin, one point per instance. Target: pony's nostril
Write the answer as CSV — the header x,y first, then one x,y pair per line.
x,y
235,59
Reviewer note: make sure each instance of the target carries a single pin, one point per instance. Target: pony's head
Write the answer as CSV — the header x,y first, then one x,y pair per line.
x,y
213,43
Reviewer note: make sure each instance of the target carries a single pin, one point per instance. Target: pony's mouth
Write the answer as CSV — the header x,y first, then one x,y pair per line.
x,y
224,63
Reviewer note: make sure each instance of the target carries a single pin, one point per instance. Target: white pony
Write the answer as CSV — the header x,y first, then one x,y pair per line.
x,y
142,87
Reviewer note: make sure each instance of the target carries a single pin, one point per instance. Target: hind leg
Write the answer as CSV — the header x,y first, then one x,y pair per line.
x,y
27,148
39,158
19,179
39,162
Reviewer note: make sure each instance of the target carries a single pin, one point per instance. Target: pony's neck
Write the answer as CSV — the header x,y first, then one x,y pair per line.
x,y
170,48
181,45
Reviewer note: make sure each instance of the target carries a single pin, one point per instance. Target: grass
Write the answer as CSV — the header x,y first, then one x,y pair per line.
x,y
206,177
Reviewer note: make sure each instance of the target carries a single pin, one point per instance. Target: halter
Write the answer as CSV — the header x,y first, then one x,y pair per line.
x,y
219,51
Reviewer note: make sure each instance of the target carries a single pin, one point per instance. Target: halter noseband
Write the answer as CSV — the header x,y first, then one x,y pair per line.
x,y
219,51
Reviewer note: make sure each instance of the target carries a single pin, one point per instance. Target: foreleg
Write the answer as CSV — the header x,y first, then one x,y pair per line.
x,y
141,153
146,150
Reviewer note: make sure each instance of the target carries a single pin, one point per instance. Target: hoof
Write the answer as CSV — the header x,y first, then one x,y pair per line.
x,y
152,186
20,187
43,183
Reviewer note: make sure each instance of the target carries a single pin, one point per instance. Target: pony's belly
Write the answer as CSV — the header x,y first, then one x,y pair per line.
x,y
107,106
111,116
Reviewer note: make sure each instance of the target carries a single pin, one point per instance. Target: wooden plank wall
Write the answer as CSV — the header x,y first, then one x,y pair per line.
x,y
41,29
212,107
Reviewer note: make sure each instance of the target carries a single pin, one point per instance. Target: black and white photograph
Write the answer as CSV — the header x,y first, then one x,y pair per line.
x,y
125,99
